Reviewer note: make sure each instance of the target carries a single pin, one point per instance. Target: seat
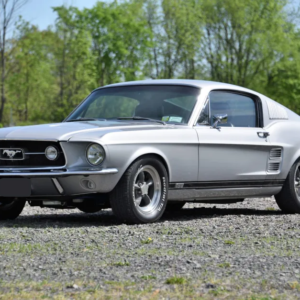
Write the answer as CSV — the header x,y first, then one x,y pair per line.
x,y
147,110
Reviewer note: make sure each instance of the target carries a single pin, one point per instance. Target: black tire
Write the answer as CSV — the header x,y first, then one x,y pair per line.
x,y
11,209
288,200
128,202
175,206
89,208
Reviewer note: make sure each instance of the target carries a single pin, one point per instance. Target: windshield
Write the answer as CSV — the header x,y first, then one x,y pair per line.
x,y
171,104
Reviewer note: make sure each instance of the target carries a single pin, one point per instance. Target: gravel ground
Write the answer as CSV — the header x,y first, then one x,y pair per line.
x,y
234,251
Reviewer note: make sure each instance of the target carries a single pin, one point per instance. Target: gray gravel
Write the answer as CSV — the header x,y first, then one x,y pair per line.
x,y
246,242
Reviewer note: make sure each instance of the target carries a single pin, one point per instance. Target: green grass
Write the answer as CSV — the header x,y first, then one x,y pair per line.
x,y
147,241
224,265
228,242
176,288
120,264
148,277
270,208
176,280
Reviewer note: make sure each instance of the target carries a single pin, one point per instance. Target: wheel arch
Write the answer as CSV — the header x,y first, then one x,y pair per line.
x,y
158,156
142,152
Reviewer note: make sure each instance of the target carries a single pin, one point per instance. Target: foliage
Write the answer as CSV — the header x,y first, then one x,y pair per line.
x,y
253,43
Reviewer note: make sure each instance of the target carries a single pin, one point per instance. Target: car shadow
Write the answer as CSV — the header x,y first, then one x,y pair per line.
x,y
106,218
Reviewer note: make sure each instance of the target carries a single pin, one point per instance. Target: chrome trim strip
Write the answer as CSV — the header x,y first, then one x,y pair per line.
x,y
221,194
26,139
58,186
32,169
227,184
34,153
58,174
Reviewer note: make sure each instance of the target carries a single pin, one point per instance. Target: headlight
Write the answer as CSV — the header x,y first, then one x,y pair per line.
x,y
51,153
95,154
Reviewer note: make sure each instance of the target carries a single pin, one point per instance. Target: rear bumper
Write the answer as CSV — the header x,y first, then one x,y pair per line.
x,y
56,183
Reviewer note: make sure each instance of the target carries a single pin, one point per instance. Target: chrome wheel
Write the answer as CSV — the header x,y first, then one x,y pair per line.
x,y
297,181
147,189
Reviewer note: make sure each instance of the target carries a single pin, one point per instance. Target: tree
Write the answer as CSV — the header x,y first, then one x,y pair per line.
x,y
120,40
8,10
73,67
30,84
242,39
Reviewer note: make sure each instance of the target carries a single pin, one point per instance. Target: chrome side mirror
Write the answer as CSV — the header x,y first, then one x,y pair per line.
x,y
219,119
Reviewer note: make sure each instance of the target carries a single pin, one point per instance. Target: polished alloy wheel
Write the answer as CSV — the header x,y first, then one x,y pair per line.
x,y
147,189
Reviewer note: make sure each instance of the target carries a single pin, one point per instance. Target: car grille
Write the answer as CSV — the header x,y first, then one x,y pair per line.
x,y
34,154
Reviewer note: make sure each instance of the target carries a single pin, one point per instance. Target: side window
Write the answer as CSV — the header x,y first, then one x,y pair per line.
x,y
241,109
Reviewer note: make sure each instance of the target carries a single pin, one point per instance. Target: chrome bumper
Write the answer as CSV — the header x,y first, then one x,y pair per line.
x,y
56,173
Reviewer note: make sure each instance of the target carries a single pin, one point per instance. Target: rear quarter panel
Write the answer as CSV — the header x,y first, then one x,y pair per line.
x,y
286,134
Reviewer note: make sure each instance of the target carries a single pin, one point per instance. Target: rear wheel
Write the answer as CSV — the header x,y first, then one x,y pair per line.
x,y
10,209
288,199
141,194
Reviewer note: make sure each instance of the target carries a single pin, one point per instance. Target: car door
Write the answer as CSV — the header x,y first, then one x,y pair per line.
x,y
234,153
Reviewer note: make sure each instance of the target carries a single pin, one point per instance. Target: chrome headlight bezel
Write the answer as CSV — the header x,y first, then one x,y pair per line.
x,y
57,153
87,154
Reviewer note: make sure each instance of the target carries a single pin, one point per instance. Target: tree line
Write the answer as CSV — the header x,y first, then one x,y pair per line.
x,y
46,73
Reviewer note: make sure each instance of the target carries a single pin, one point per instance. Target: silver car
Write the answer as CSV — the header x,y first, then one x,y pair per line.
x,y
146,146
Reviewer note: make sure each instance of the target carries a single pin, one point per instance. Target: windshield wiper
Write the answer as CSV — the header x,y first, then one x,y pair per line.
x,y
142,119
85,119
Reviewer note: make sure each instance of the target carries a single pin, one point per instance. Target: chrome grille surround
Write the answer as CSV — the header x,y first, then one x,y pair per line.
x,y
33,155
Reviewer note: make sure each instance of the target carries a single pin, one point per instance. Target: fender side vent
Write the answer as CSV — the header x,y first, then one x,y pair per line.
x,y
273,167
275,153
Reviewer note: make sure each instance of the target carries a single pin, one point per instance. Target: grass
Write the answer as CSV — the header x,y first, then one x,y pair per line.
x,y
147,241
176,280
176,288
224,265
121,264
295,285
270,208
228,242
148,277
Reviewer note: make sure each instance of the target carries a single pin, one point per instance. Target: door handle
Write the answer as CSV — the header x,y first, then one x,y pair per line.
x,y
263,134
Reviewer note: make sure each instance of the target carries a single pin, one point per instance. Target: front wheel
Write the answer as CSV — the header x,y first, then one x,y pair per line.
x,y
141,194
288,199
10,209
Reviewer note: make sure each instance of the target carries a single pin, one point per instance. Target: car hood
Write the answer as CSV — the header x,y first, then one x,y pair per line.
x,y
69,130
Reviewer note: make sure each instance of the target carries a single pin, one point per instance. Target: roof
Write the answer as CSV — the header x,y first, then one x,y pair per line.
x,y
189,82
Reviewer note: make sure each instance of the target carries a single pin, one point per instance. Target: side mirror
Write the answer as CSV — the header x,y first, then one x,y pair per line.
x,y
219,119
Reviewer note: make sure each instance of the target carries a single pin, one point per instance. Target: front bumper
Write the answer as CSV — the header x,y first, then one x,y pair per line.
x,y
55,183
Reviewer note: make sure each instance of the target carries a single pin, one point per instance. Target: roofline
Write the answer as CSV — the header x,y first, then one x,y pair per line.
x,y
146,83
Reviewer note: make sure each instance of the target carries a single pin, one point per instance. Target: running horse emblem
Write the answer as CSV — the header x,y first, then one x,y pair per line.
x,y
11,153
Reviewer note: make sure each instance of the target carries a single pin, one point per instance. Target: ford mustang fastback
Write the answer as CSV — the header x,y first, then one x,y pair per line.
x,y
144,147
